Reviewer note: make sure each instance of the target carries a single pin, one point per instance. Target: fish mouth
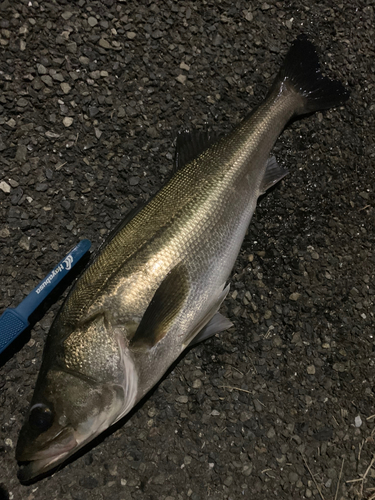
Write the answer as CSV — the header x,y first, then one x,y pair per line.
x,y
33,465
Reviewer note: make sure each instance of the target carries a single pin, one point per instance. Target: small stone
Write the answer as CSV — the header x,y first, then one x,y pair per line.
x,y
339,367
104,43
281,459
41,187
56,76
121,112
67,121
271,433
248,15
66,15
228,481
37,84
184,66
42,70
22,102
93,111
358,421
65,87
157,34
197,383
104,74
92,21
293,477
24,242
159,479
71,47
245,416
131,35
84,60
258,406
133,181
52,135
152,132
182,79
289,24
364,195
21,153
47,80
11,123
4,232
130,111
294,296
296,339
311,370
247,469
217,39
314,255
8,442
4,186
55,246
182,399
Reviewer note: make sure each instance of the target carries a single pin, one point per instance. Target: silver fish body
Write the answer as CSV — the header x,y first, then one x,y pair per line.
x,y
158,284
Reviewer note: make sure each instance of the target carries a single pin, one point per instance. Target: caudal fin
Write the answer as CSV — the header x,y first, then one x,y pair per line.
x,y
301,70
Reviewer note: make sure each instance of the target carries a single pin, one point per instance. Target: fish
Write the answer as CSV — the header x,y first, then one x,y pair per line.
x,y
157,285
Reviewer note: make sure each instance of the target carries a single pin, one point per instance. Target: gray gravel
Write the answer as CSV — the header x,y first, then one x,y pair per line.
x,y
92,96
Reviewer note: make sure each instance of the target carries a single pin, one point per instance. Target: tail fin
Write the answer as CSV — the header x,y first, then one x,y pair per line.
x,y
301,70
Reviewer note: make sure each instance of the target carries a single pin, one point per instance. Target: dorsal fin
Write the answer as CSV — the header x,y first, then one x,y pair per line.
x,y
190,144
118,227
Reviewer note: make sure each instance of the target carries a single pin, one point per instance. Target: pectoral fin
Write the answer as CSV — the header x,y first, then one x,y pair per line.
x,y
163,309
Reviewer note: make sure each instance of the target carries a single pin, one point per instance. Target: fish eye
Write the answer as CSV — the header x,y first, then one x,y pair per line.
x,y
41,417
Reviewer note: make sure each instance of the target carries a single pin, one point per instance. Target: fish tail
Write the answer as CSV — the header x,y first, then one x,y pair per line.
x,y
301,71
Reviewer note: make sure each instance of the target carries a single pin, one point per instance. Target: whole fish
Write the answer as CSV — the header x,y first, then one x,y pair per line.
x,y
158,284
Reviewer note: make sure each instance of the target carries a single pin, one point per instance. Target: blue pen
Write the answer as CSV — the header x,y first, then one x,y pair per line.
x,y
14,321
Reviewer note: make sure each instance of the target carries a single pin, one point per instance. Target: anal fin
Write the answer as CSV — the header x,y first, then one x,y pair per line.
x,y
273,174
206,320
217,324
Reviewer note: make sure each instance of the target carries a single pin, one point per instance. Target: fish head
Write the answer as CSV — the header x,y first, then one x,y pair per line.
x,y
77,396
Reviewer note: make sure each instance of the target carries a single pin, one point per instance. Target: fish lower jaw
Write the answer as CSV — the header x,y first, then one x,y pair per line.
x,y
38,465
40,462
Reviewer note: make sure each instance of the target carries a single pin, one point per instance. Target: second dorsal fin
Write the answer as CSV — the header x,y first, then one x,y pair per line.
x,y
190,144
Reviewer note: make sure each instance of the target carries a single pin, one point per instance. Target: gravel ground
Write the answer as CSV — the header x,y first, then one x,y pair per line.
x,y
92,96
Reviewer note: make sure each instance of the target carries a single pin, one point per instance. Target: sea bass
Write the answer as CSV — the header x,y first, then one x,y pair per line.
x,y
158,284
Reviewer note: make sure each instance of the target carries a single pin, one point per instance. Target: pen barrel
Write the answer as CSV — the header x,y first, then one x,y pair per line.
x,y
44,288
